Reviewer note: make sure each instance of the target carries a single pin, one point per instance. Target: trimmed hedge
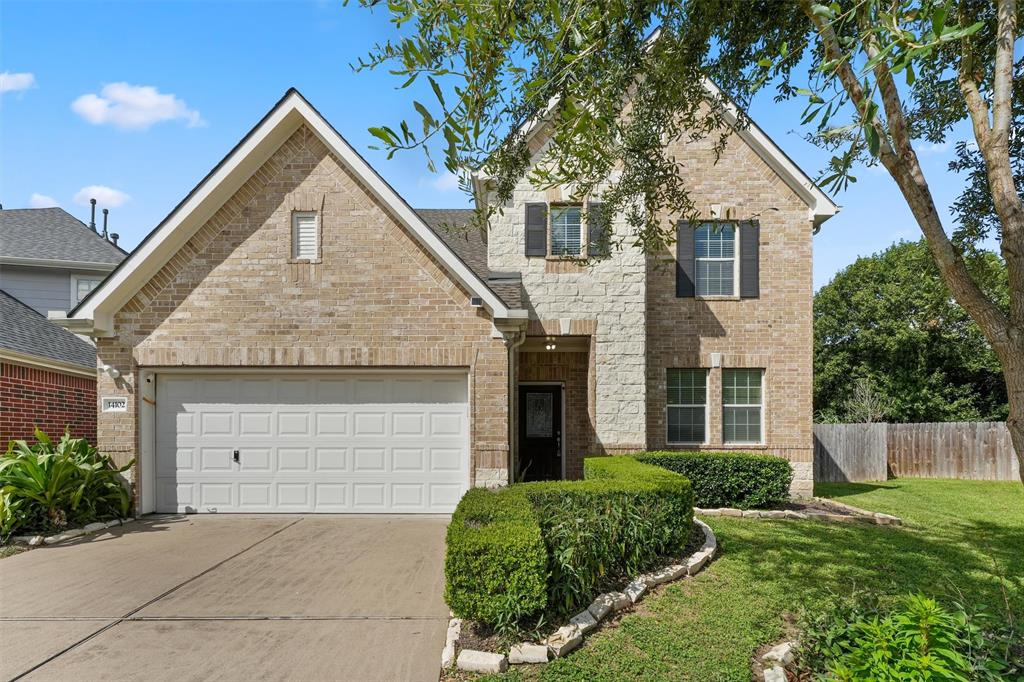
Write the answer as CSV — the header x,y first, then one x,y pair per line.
x,y
496,564
729,479
533,547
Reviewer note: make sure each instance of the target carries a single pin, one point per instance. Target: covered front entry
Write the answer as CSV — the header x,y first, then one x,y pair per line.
x,y
369,442
555,407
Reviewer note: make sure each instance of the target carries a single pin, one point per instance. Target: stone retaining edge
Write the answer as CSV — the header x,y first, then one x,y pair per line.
x,y
36,540
570,636
859,515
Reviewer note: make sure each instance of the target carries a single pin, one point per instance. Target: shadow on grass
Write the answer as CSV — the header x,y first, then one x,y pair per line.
x,y
847,489
812,561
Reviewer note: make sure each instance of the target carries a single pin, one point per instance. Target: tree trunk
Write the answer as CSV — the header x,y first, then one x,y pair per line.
x,y
1013,374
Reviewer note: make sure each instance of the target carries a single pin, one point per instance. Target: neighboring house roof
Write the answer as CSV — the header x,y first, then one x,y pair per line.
x,y
27,333
52,234
452,225
291,112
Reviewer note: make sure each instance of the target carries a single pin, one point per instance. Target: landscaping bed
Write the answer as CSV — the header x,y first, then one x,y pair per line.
x,y
59,489
959,544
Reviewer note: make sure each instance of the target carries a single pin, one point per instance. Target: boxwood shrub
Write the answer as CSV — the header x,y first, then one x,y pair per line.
x,y
729,479
533,547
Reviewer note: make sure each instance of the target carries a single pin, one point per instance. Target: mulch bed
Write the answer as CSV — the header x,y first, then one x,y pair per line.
x,y
818,506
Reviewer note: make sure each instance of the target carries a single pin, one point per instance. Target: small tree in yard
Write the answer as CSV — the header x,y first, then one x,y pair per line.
x,y
866,404
877,75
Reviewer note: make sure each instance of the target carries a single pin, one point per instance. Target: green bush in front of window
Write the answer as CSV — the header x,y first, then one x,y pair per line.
x,y
728,479
545,547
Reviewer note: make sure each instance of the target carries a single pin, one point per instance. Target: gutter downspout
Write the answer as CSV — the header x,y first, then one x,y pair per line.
x,y
513,340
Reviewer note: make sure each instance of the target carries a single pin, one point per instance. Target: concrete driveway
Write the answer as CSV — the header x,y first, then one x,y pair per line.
x,y
230,598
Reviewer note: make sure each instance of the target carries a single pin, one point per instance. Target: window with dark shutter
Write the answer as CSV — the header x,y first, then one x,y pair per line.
x,y
536,229
684,261
598,234
750,246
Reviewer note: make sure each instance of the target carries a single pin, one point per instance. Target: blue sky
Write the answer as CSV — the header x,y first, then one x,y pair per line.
x,y
139,100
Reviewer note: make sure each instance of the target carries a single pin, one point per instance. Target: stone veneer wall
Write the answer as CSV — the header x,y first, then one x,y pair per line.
x,y
231,297
773,332
609,294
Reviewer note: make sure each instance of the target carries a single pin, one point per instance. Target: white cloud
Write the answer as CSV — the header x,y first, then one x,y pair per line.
x,y
134,107
41,201
446,182
104,196
16,82
933,148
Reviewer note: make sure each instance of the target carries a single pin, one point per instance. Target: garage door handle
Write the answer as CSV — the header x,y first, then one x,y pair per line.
x,y
235,456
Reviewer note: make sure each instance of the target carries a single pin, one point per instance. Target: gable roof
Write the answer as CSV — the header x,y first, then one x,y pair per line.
x,y
820,206
26,332
53,234
471,247
290,112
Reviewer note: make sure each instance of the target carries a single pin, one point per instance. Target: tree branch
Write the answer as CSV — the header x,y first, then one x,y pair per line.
x,y
904,168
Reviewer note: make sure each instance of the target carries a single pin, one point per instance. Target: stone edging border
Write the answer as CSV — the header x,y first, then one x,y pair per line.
x,y
858,515
775,660
570,636
36,540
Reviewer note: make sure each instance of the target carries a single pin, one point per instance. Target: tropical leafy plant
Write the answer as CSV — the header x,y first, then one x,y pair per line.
x,y
49,486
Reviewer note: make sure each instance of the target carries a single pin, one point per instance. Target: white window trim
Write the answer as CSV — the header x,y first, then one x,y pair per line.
x,y
583,232
295,235
74,286
735,266
707,412
762,405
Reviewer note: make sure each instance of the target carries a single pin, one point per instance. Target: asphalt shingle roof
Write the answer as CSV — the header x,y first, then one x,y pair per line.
x,y
25,331
469,244
53,234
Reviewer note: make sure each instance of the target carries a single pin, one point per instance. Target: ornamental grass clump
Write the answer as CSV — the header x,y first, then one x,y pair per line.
x,y
52,486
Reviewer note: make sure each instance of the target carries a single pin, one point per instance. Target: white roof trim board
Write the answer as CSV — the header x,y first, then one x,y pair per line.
x,y
224,180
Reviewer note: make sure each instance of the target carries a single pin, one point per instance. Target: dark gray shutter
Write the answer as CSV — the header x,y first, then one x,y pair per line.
x,y
685,265
750,266
536,229
598,235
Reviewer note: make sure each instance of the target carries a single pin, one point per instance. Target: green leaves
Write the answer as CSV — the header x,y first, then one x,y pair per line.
x,y
48,486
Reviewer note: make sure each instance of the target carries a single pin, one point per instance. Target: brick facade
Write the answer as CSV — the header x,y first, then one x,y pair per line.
x,y
232,297
32,397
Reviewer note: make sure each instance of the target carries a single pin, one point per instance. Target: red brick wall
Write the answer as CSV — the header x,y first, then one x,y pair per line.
x,y
31,397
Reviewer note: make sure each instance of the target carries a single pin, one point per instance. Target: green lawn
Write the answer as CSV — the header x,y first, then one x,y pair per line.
x,y
960,539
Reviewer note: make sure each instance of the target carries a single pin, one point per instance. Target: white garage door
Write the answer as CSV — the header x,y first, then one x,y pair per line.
x,y
360,443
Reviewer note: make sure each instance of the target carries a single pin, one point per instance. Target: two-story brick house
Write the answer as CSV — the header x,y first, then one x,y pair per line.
x,y
294,337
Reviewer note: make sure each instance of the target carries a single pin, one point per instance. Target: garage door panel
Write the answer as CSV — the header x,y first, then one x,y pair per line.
x,y
347,443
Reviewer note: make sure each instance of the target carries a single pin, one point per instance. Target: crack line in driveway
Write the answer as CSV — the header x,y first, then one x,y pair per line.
x,y
127,616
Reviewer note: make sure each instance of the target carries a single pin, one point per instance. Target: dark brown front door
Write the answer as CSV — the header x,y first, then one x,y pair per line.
x,y
540,433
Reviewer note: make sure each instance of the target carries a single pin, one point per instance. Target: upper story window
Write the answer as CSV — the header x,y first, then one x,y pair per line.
x,y
81,285
719,260
305,238
566,231
715,255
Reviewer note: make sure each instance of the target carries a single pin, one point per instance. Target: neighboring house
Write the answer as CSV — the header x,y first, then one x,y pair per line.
x,y
294,337
47,376
49,261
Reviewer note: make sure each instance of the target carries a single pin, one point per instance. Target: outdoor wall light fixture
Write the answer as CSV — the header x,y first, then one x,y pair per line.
x,y
113,373
549,344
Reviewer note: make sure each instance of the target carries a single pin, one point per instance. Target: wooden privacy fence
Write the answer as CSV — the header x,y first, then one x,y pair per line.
x,y
875,452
